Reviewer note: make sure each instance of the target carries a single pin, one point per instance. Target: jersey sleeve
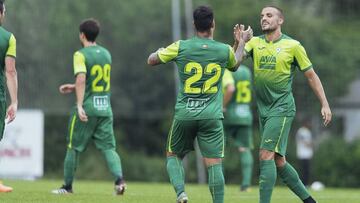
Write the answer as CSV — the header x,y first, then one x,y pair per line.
x,y
232,61
169,53
301,58
12,46
227,79
79,63
249,47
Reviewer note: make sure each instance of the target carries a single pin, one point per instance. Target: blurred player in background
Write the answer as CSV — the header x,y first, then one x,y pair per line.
x,y
8,77
201,62
305,149
275,57
92,118
238,118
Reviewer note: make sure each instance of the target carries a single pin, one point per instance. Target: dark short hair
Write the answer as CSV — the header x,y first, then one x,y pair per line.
x,y
2,6
281,12
203,18
90,28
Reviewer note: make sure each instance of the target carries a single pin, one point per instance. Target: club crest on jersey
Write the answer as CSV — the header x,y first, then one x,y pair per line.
x,y
205,46
278,50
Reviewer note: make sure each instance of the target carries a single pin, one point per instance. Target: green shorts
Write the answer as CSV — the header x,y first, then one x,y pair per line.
x,y
209,134
274,132
2,118
100,129
241,134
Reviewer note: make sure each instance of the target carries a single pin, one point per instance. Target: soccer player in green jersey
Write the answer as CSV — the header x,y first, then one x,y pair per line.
x,y
8,77
201,62
276,57
238,118
92,118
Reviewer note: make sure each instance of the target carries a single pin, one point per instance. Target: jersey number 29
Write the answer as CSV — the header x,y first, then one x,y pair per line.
x,y
101,74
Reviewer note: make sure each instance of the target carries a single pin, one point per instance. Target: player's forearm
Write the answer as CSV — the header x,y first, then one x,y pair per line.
x,y
72,87
80,89
235,46
11,80
316,86
239,53
227,98
154,58
228,94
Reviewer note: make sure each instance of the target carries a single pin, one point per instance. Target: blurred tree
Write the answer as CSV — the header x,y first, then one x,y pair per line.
x,y
143,99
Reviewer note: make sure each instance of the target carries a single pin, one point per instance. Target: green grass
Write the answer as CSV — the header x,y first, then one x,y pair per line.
x,y
99,191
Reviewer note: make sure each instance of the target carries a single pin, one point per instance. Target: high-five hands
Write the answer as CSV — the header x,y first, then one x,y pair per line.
x,y
240,34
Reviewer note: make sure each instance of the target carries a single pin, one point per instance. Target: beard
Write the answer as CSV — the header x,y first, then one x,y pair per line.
x,y
268,30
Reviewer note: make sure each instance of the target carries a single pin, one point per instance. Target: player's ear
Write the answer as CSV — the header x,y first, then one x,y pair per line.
x,y
82,36
213,24
281,20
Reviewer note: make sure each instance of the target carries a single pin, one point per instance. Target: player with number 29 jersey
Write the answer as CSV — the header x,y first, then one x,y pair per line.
x,y
95,62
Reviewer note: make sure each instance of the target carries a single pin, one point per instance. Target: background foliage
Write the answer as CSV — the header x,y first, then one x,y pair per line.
x,y
143,97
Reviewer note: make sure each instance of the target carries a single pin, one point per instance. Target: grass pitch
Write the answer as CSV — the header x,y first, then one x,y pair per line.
x,y
102,192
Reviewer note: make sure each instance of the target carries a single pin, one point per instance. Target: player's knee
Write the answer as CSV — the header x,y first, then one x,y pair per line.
x,y
242,149
170,154
280,161
266,155
212,161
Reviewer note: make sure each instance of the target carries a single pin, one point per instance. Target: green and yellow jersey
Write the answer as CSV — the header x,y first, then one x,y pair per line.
x,y
7,48
95,62
201,63
238,110
274,67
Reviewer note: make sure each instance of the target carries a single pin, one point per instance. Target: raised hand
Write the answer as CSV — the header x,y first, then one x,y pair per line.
x,y
240,34
237,33
246,35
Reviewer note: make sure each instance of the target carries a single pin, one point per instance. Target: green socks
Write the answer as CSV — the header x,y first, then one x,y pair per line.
x,y
71,161
216,183
246,167
70,164
267,180
176,173
113,162
290,177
